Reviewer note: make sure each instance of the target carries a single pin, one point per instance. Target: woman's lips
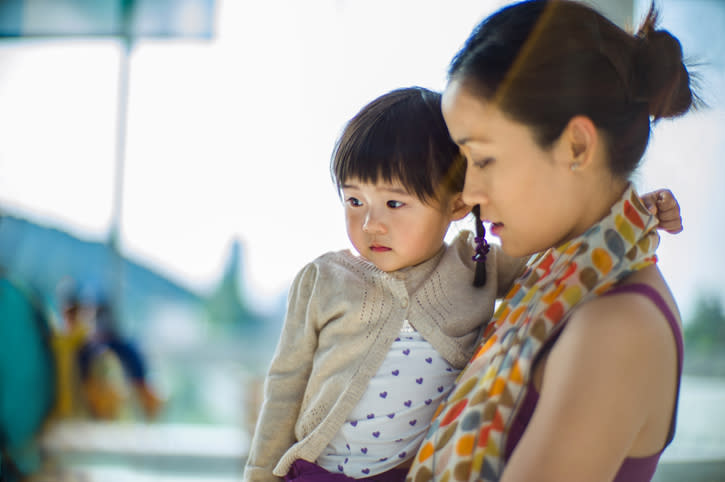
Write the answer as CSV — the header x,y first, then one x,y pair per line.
x,y
379,249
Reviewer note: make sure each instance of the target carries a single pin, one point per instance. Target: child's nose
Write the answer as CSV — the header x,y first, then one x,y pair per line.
x,y
373,224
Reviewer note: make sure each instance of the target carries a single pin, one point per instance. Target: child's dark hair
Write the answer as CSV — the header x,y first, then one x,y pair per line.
x,y
402,136
545,61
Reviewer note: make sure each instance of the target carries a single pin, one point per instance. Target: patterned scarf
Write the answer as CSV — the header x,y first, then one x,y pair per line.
x,y
468,435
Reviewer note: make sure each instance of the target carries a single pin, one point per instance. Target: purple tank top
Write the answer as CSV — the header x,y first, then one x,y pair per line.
x,y
633,469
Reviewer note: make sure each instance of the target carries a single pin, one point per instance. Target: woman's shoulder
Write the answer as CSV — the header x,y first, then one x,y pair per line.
x,y
613,370
624,338
638,306
626,320
636,315
616,349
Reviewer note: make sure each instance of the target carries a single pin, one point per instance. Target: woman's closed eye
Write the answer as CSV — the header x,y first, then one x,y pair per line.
x,y
481,163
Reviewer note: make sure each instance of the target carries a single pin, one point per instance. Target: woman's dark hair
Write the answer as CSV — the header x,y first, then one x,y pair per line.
x,y
400,136
545,61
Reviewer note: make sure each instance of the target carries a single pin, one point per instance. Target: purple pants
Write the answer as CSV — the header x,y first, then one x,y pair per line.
x,y
304,471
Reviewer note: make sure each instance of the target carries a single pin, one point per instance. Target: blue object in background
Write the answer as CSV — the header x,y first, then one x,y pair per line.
x,y
102,18
27,379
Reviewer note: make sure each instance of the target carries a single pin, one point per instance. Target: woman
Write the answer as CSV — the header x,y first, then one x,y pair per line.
x,y
577,377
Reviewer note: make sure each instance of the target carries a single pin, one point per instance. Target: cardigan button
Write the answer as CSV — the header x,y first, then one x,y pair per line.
x,y
404,303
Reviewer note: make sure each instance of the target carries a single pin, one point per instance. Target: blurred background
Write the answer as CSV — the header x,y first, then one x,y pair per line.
x,y
164,175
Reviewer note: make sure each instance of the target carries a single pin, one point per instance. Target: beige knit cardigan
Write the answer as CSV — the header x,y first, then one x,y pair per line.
x,y
343,314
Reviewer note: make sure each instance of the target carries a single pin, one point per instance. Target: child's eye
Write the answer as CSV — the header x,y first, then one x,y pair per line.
x,y
394,204
480,164
352,201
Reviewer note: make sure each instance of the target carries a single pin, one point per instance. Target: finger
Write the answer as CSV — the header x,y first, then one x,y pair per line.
x,y
670,221
650,203
672,227
662,194
665,200
671,215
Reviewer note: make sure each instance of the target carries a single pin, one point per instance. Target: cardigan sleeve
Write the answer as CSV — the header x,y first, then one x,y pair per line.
x,y
286,380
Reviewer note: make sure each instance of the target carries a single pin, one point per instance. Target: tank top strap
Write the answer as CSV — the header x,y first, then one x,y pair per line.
x,y
654,296
532,395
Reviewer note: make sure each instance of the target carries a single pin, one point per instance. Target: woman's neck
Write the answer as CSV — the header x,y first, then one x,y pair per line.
x,y
597,199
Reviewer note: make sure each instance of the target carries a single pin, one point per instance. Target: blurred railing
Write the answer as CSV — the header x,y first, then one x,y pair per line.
x,y
119,451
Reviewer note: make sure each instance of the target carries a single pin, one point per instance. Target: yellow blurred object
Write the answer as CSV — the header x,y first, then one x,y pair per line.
x,y
150,402
106,389
65,348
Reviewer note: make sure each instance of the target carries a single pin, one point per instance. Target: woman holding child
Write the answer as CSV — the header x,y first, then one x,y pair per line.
x,y
577,376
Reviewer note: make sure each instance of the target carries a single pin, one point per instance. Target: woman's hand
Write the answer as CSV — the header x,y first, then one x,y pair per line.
x,y
662,203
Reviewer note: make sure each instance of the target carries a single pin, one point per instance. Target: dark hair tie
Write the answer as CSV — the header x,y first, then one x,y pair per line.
x,y
482,248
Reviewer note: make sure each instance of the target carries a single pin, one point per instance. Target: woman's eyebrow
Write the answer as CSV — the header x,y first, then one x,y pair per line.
x,y
478,139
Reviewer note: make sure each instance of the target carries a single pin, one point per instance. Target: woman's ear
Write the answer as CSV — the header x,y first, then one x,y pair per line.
x,y
459,209
578,143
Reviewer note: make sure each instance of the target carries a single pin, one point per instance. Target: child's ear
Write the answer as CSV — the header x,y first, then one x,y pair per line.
x,y
459,209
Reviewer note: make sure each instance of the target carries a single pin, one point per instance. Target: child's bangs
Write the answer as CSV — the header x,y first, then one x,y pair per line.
x,y
400,137
390,158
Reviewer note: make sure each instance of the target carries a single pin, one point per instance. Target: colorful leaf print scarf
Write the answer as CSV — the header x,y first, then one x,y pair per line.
x,y
468,436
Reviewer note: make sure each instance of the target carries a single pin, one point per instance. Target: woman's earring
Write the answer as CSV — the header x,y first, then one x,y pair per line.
x,y
574,166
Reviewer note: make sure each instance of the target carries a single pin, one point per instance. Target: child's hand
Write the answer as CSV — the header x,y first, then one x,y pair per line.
x,y
662,203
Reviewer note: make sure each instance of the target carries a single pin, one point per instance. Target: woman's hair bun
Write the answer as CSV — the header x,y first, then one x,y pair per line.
x,y
659,75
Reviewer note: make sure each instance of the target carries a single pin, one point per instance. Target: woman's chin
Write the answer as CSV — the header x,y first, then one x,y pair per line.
x,y
516,250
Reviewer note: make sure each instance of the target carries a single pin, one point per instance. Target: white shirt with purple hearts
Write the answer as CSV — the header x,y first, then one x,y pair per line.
x,y
391,419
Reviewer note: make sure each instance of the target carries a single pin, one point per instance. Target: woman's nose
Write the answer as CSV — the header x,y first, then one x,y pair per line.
x,y
473,194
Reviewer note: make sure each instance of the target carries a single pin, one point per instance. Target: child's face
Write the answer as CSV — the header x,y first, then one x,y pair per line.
x,y
392,228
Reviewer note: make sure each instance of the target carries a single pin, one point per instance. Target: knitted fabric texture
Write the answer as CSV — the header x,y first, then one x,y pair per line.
x,y
343,315
467,438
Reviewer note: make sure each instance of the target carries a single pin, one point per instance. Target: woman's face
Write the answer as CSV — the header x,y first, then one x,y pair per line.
x,y
525,191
